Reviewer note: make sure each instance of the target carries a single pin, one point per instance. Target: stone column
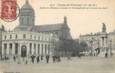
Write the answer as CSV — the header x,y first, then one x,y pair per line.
x,y
2,48
19,51
13,49
40,49
28,49
8,49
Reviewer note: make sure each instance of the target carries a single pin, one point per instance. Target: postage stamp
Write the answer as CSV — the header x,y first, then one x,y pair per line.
x,y
9,10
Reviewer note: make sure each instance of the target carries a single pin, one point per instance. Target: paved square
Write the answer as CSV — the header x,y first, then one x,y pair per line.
x,y
75,65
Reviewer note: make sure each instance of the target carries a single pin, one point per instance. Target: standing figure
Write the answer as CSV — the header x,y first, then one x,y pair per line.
x,y
32,57
53,57
47,58
106,55
37,59
14,58
41,57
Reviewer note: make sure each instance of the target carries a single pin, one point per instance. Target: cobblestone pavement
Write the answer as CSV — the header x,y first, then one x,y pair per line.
x,y
75,65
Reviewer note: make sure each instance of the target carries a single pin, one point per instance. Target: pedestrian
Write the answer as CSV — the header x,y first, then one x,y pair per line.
x,y
47,58
53,57
26,62
14,58
41,57
37,59
32,57
106,55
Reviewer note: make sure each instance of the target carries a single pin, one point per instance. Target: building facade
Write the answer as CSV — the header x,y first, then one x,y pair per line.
x,y
101,40
29,39
24,43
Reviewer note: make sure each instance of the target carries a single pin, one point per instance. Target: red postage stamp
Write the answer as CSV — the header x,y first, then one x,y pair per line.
x,y
9,10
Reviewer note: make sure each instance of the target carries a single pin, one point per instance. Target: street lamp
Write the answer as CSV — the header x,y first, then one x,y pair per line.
x,y
91,42
106,37
110,47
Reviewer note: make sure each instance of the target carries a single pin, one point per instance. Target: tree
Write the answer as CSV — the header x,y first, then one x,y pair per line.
x,y
83,46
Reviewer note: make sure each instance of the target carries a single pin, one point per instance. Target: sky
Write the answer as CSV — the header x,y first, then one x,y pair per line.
x,y
80,21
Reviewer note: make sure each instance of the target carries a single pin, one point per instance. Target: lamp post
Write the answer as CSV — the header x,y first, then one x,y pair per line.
x,y
110,47
91,42
106,37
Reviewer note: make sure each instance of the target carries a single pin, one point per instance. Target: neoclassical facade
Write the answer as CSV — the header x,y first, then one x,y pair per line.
x,y
102,40
27,43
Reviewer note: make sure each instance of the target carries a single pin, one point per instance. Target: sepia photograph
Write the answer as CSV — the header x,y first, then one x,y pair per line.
x,y
57,36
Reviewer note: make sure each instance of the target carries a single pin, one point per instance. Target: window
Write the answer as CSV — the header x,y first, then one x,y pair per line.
x,y
30,48
16,36
34,48
24,36
16,48
38,48
42,48
10,47
10,36
30,36
5,48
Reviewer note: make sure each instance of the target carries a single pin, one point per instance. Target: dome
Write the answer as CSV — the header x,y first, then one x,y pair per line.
x,y
27,15
27,6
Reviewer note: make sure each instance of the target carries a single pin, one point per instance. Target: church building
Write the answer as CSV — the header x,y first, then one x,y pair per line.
x,y
29,39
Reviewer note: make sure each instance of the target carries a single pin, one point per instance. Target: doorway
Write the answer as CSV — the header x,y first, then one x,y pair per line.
x,y
23,51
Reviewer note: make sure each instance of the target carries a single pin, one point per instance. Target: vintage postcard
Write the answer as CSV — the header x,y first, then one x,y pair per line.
x,y
57,36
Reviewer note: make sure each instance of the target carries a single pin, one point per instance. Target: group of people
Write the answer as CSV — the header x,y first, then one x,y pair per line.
x,y
36,59
32,59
